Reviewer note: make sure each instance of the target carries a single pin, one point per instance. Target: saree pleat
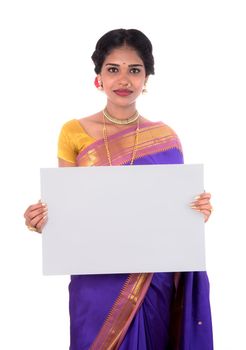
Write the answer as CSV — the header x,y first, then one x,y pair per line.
x,y
150,327
163,316
123,311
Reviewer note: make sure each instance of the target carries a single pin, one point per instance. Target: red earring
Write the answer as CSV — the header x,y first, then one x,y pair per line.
x,y
98,84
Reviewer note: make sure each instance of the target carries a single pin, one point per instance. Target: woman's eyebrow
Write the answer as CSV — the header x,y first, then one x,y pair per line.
x,y
129,65
135,65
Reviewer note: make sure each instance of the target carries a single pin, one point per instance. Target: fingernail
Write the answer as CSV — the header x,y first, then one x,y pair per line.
x,y
193,207
197,197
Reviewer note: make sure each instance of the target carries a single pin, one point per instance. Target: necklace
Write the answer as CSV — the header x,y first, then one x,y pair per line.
x,y
129,120
105,138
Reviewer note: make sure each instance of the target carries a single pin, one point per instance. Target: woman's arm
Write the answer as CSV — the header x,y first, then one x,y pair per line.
x,y
64,163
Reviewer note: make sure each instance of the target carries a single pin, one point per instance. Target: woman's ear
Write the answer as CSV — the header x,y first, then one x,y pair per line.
x,y
146,80
144,91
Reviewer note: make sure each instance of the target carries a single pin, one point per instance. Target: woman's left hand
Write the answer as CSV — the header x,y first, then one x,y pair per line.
x,y
202,204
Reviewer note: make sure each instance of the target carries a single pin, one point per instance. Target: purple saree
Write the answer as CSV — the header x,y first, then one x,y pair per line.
x,y
160,311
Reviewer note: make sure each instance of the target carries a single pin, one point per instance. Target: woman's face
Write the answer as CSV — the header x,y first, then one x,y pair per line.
x,y
123,76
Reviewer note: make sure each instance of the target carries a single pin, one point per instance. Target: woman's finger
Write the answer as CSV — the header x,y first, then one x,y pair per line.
x,y
205,210
201,202
33,207
206,214
38,222
202,207
204,195
41,223
34,221
34,213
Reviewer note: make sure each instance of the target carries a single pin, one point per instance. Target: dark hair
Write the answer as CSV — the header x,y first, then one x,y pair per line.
x,y
118,37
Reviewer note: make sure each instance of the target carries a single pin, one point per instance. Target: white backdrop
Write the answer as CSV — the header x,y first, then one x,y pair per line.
x,y
46,78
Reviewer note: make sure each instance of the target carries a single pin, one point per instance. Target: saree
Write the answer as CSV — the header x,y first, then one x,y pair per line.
x,y
140,311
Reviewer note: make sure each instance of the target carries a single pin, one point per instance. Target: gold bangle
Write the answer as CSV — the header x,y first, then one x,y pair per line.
x,y
31,228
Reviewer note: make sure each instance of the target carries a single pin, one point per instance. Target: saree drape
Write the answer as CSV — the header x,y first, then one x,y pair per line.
x,y
160,311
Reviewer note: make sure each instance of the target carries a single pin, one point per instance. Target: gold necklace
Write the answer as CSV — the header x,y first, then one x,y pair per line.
x,y
129,120
105,137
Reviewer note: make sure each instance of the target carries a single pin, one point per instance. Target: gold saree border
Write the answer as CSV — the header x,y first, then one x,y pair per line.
x,y
122,312
152,138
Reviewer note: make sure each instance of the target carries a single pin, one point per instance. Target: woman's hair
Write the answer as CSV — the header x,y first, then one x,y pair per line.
x,y
118,37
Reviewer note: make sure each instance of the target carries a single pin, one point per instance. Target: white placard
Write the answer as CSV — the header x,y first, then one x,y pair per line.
x,y
122,219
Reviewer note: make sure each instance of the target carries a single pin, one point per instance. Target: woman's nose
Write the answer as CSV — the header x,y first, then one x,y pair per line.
x,y
124,81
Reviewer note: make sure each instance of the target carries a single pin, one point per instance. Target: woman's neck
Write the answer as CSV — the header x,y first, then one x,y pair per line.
x,y
121,112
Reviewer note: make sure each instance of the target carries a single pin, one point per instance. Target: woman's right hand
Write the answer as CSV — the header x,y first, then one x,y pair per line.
x,y
36,216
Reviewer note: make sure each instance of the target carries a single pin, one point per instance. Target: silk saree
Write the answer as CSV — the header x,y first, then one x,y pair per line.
x,y
145,311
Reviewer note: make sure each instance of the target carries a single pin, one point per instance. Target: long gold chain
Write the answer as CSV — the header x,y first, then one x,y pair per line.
x,y
105,137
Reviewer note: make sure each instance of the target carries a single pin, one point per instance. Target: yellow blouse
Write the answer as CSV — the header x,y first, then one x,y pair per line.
x,y
72,140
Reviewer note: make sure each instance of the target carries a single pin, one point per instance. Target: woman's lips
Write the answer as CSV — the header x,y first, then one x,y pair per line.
x,y
122,92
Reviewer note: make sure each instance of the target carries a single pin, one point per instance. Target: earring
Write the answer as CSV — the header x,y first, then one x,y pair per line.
x,y
98,84
144,91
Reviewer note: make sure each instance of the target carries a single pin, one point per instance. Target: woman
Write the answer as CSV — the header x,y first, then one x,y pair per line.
x,y
135,311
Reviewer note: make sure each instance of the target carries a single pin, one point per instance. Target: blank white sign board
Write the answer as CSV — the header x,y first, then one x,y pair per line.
x,y
122,219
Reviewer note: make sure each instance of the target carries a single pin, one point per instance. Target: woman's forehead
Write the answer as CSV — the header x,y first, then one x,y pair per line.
x,y
123,55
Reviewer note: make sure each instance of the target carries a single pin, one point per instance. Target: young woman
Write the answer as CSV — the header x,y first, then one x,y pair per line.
x,y
129,311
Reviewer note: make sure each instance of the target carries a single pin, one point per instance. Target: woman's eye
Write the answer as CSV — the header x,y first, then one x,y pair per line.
x,y
113,70
135,70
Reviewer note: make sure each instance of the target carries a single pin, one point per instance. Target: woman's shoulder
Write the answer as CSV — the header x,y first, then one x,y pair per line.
x,y
71,125
168,129
72,139
76,126
80,122
162,126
